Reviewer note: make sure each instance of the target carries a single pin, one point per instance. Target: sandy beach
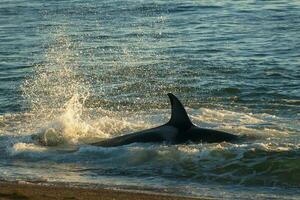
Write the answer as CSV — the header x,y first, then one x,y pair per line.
x,y
38,192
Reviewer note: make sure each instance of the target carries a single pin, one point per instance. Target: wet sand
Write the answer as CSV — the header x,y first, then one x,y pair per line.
x,y
38,192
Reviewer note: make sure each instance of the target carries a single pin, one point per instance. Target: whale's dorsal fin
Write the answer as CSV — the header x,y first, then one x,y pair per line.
x,y
179,117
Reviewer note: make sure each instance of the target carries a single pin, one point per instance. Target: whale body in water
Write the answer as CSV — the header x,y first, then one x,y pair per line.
x,y
178,130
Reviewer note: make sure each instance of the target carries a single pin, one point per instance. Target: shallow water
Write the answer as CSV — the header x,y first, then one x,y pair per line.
x,y
76,72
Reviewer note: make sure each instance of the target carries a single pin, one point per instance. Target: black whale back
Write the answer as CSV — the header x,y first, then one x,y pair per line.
x,y
178,130
188,131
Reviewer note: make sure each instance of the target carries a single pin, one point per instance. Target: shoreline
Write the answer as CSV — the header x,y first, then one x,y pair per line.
x,y
14,190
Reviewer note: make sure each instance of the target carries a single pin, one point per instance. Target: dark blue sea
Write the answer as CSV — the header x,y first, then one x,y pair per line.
x,y
76,72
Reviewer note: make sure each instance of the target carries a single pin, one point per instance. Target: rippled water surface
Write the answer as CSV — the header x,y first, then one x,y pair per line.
x,y
75,72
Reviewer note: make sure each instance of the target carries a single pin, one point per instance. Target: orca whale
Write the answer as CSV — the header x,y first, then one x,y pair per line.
x,y
178,130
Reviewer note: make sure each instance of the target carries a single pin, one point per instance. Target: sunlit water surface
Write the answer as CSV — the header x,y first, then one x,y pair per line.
x,y
75,72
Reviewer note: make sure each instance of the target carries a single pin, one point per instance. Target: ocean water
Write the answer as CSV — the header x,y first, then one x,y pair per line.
x,y
75,72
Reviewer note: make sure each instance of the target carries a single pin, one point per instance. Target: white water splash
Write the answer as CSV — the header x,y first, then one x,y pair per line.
x,y
56,94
